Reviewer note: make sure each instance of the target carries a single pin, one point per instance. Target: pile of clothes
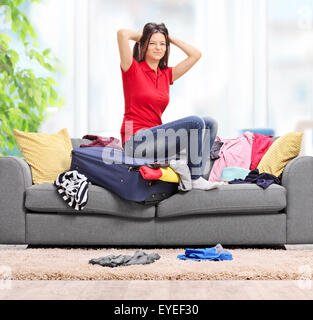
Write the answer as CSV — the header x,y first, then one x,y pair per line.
x,y
237,157
240,157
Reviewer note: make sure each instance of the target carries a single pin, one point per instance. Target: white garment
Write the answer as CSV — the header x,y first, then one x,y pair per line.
x,y
73,188
181,168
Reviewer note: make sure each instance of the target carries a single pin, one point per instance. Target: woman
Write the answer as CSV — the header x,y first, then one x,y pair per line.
x,y
146,80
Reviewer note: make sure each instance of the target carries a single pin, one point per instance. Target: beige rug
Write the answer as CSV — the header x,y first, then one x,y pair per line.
x,y
72,264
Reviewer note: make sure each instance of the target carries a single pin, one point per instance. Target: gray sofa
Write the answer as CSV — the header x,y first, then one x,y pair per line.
x,y
242,214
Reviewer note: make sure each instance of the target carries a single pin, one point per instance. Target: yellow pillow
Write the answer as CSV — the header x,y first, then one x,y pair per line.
x,y
47,154
280,153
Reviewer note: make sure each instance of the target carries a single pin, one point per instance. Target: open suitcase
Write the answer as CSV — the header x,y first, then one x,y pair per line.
x,y
111,169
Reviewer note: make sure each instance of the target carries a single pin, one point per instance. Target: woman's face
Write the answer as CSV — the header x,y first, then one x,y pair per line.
x,y
156,47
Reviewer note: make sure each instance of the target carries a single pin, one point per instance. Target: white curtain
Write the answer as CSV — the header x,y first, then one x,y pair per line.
x,y
229,82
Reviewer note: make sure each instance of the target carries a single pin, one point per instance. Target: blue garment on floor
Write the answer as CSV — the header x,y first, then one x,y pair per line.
x,y
216,253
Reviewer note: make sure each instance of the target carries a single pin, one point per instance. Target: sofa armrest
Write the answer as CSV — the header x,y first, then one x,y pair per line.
x,y
297,178
15,177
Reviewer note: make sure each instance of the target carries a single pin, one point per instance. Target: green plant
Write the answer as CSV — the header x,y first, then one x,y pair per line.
x,y
24,96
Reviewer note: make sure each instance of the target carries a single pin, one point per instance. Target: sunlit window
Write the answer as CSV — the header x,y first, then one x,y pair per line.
x,y
255,69
290,63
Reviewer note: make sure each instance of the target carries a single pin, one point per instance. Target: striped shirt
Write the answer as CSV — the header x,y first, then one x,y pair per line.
x,y
73,188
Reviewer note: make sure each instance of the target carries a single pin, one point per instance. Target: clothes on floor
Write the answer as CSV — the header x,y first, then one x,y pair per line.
x,y
261,144
233,153
98,141
216,253
216,149
198,140
112,261
73,188
263,180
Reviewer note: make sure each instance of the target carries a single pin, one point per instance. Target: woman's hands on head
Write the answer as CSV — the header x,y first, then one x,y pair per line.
x,y
193,55
123,37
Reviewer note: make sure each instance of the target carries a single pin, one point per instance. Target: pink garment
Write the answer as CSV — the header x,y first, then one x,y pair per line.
x,y
261,144
233,153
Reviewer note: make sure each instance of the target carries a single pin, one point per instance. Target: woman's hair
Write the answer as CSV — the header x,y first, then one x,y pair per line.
x,y
140,48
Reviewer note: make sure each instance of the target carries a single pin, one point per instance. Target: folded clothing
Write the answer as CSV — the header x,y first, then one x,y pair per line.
x,y
164,174
216,253
149,173
139,257
231,173
169,175
176,171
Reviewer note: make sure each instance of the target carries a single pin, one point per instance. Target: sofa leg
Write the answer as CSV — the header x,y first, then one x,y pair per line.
x,y
298,246
13,246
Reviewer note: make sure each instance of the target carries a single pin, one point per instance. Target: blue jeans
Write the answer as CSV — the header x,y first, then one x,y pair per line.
x,y
194,134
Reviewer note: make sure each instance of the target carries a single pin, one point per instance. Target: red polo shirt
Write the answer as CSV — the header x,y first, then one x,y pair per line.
x,y
146,96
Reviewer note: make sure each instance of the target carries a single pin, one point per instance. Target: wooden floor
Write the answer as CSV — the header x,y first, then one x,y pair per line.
x,y
157,290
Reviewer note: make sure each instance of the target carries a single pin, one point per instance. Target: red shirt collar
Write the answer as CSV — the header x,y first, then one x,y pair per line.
x,y
147,68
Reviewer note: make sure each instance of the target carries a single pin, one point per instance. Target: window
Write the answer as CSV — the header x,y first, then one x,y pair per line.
x,y
59,37
222,84
290,63
254,71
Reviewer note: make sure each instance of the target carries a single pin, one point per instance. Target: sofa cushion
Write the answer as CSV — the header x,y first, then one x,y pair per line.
x,y
44,198
280,153
47,154
226,199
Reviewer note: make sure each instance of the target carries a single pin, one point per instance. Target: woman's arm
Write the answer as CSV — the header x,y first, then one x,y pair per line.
x,y
123,37
193,56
